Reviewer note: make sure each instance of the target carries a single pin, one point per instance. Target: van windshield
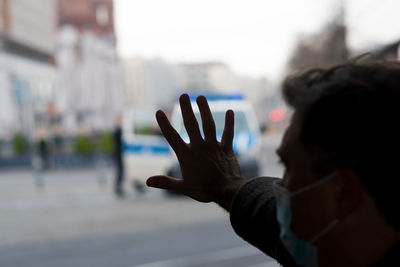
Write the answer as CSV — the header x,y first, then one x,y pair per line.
x,y
241,123
144,123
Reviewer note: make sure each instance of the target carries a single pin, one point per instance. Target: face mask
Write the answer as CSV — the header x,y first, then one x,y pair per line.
x,y
303,252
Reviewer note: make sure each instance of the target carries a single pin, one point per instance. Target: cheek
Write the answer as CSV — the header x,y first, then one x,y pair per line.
x,y
301,213
309,214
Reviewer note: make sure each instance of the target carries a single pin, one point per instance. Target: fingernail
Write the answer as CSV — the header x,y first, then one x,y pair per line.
x,y
150,182
201,99
159,113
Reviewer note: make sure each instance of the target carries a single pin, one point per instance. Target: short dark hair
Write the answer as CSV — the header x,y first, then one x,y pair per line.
x,y
349,120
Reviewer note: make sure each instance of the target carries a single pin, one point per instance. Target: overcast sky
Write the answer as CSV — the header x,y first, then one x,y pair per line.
x,y
254,37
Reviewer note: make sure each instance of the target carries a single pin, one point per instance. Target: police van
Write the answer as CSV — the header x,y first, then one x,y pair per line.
x,y
147,153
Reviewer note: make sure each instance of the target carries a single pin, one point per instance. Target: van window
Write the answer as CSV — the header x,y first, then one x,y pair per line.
x,y
144,123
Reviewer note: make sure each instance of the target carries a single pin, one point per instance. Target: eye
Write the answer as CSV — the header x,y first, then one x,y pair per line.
x,y
281,162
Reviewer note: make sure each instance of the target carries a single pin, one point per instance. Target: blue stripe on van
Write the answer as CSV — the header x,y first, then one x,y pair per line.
x,y
146,149
249,145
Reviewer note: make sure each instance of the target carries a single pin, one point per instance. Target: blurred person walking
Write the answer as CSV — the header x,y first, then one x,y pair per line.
x,y
119,165
337,202
44,154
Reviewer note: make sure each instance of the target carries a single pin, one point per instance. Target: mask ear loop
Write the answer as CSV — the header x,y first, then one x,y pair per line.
x,y
334,222
317,183
324,231
281,192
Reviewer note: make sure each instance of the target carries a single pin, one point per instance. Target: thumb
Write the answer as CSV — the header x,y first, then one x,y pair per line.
x,y
164,182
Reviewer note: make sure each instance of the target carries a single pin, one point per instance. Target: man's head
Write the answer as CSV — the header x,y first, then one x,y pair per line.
x,y
345,120
118,120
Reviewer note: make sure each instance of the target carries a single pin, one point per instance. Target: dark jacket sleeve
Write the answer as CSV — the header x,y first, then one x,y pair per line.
x,y
253,217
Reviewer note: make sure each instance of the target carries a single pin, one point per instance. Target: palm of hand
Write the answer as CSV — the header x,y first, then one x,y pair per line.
x,y
204,172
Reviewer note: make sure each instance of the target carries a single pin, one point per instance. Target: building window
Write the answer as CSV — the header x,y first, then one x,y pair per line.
x,y
102,16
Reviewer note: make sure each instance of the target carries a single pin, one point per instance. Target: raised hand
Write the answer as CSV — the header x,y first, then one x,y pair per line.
x,y
210,171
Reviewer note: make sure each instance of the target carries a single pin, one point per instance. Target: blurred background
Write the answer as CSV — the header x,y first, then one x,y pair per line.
x,y
76,75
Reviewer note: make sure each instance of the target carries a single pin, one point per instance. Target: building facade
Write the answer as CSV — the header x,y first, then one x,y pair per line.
x,y
149,84
90,94
96,16
28,75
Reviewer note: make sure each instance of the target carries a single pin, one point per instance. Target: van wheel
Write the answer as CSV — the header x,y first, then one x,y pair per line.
x,y
139,187
173,193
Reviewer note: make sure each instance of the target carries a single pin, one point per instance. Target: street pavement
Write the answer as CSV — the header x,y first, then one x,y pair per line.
x,y
197,244
71,218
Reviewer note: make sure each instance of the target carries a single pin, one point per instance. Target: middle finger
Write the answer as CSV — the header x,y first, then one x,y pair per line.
x,y
189,120
207,120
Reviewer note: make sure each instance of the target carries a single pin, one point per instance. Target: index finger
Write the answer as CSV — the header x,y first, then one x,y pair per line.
x,y
172,136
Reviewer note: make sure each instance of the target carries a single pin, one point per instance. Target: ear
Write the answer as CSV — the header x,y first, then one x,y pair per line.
x,y
350,193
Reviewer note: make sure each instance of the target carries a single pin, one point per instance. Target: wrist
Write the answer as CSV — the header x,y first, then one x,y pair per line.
x,y
229,191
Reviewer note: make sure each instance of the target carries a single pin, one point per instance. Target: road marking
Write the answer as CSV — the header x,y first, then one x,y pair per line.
x,y
272,263
207,258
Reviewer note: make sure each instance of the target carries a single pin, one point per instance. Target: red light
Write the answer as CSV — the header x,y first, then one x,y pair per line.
x,y
276,115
